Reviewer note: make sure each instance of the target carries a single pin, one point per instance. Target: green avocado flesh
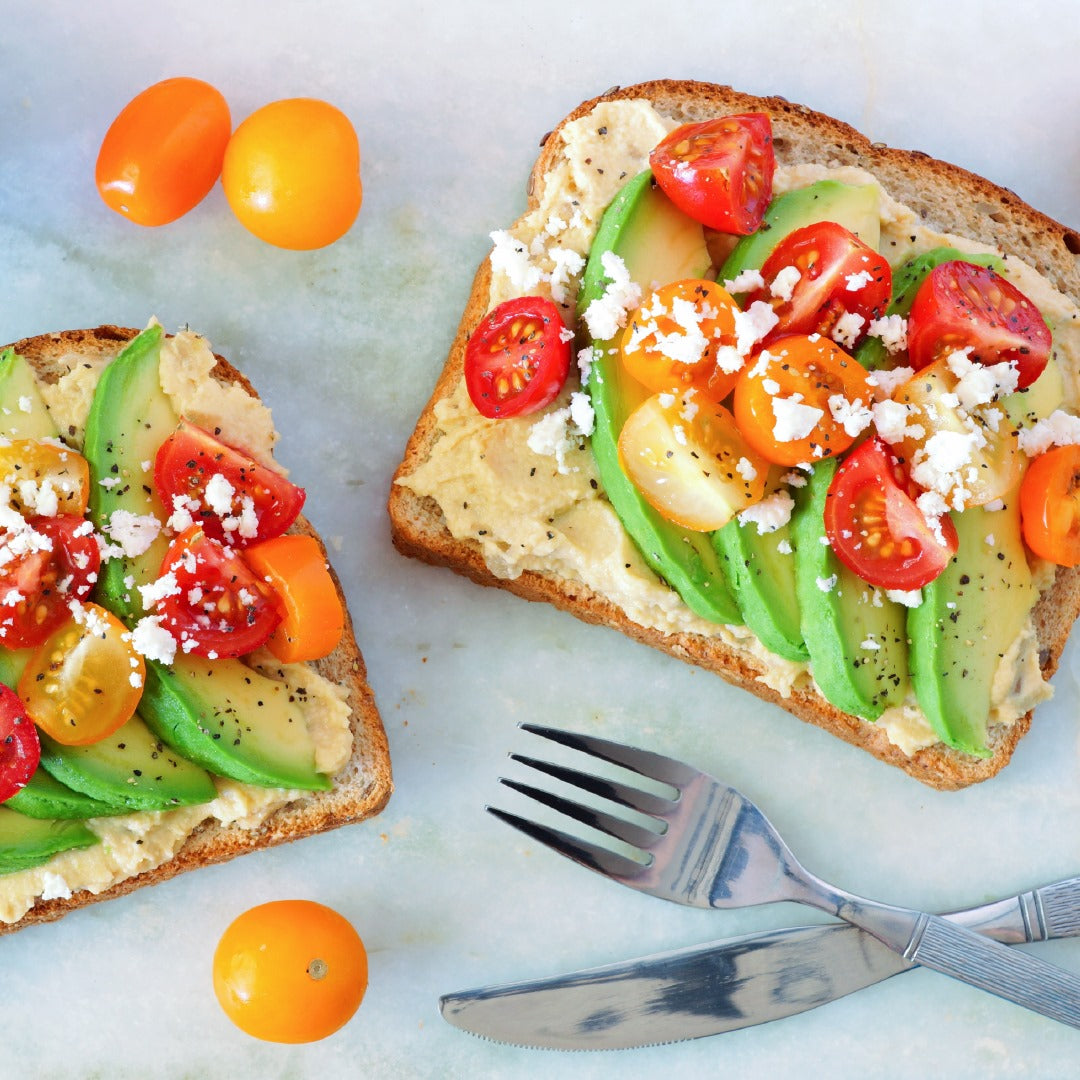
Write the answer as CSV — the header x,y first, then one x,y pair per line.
x,y
969,617
45,797
132,768
658,244
233,721
855,635
26,842
23,413
130,417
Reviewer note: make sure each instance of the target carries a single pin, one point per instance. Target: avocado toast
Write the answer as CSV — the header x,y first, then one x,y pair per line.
x,y
222,755
710,598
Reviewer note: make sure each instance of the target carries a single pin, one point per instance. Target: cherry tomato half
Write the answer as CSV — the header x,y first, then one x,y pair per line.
x,y
690,463
235,498
670,343
517,358
20,747
1050,505
875,527
51,562
290,971
85,680
719,171
838,275
292,173
792,403
219,607
163,153
961,305
39,473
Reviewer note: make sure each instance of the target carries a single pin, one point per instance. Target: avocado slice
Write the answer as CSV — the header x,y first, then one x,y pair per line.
x,y
130,417
856,636
45,797
968,618
131,768
855,206
23,412
232,720
907,278
658,244
761,567
26,842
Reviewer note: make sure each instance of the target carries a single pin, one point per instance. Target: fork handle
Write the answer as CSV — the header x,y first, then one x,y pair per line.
x,y
963,954
1052,911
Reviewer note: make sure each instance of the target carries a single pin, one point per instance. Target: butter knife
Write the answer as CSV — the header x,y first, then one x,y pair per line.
x,y
727,985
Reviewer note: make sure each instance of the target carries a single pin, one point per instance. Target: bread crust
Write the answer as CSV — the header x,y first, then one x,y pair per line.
x,y
361,789
948,199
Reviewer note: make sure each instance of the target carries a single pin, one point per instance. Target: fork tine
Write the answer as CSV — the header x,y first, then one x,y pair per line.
x,y
623,830
624,794
581,851
654,766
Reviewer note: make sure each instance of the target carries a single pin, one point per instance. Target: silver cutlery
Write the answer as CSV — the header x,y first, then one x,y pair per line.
x,y
726,985
704,844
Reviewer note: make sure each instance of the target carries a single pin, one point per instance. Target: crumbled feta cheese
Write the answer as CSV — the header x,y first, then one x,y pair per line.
x,y
853,416
979,384
770,514
745,468
511,257
886,382
158,590
912,598
1058,429
747,281
132,532
891,331
847,329
858,281
793,419
752,325
783,285
606,315
826,584
152,640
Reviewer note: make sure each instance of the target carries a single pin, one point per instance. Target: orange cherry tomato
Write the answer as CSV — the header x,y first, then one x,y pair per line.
x,y
313,618
163,153
1050,505
670,343
36,471
292,173
290,971
85,681
797,401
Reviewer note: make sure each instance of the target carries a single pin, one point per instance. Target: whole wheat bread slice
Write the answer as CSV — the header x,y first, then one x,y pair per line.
x,y
361,789
948,199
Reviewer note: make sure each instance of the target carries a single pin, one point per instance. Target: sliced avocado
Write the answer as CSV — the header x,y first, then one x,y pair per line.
x,y
130,768
907,278
658,244
45,797
233,721
855,206
23,413
1037,401
968,618
761,571
130,417
856,636
12,664
761,567
27,842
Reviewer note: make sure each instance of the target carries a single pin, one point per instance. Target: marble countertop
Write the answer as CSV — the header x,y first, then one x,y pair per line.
x,y
450,102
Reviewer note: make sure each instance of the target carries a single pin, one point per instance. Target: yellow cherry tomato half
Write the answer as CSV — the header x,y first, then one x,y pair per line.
x,y
290,971
163,153
292,173
43,478
85,680
690,462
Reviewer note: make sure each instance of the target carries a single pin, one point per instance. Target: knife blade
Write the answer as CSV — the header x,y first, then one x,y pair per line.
x,y
723,986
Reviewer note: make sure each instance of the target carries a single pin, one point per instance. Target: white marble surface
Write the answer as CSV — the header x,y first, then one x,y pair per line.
x,y
450,101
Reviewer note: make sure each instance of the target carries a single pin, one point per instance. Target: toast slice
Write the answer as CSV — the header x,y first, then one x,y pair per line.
x,y
946,199
361,788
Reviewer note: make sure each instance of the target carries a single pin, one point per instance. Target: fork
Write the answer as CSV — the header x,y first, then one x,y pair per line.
x,y
706,845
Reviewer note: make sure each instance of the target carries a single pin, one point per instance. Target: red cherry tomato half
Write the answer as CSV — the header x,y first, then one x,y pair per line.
x,y
290,971
235,498
961,305
163,153
719,171
1050,505
20,747
837,275
875,527
220,607
517,359
51,562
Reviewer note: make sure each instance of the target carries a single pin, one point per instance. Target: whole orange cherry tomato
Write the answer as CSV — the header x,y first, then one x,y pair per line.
x,y
163,153
292,173
1050,505
290,971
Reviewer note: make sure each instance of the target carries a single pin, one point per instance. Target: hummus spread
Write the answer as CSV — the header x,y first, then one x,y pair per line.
x,y
135,843
536,504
